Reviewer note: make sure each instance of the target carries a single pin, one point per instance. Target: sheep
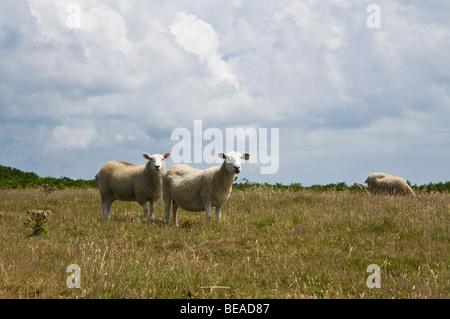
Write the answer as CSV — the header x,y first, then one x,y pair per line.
x,y
358,188
128,182
381,183
198,190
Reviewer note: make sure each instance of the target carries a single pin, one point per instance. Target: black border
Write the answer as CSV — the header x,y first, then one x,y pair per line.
x,y
171,308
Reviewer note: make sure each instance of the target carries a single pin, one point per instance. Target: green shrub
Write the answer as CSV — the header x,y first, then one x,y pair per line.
x,y
15,178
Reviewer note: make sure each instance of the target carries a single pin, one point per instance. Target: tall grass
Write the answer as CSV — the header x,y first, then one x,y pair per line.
x,y
270,243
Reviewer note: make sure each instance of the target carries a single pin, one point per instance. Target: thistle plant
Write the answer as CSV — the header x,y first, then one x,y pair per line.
x,y
36,221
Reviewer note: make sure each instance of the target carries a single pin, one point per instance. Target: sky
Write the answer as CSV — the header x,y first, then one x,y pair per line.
x,y
349,88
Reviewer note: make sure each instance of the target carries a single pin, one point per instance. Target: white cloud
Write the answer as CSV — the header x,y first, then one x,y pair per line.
x,y
74,136
200,38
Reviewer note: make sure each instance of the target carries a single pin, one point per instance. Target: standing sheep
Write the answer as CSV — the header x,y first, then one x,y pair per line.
x,y
198,190
381,183
129,182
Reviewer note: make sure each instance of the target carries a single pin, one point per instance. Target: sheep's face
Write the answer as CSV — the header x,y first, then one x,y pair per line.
x,y
233,161
156,161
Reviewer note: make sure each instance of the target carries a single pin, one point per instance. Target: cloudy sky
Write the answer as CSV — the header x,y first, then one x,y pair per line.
x,y
350,91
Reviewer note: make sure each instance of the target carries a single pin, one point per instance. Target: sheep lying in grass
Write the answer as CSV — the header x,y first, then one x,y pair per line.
x,y
129,182
199,190
381,183
358,188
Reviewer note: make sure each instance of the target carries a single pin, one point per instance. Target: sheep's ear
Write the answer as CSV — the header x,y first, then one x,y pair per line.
x,y
222,155
246,156
166,155
146,156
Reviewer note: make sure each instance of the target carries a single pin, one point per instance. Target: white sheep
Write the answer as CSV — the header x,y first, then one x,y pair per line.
x,y
382,183
198,190
128,182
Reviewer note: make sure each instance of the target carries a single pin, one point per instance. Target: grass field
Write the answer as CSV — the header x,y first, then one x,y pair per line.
x,y
269,244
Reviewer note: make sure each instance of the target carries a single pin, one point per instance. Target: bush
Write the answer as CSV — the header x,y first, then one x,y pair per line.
x,y
15,178
335,187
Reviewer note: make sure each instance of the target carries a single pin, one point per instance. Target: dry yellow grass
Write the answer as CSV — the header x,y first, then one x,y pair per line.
x,y
270,244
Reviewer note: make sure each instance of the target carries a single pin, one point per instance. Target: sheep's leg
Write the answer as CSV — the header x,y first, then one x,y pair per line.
x,y
167,209
175,211
106,205
145,209
152,210
208,209
219,212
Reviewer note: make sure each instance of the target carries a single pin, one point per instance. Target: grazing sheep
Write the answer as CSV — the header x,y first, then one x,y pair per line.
x,y
381,183
198,190
129,182
358,188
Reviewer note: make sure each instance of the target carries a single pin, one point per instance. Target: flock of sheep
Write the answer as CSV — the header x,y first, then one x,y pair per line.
x,y
193,189
181,185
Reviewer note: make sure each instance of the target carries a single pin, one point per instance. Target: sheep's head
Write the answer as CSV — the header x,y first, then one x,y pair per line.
x,y
156,161
374,177
233,161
